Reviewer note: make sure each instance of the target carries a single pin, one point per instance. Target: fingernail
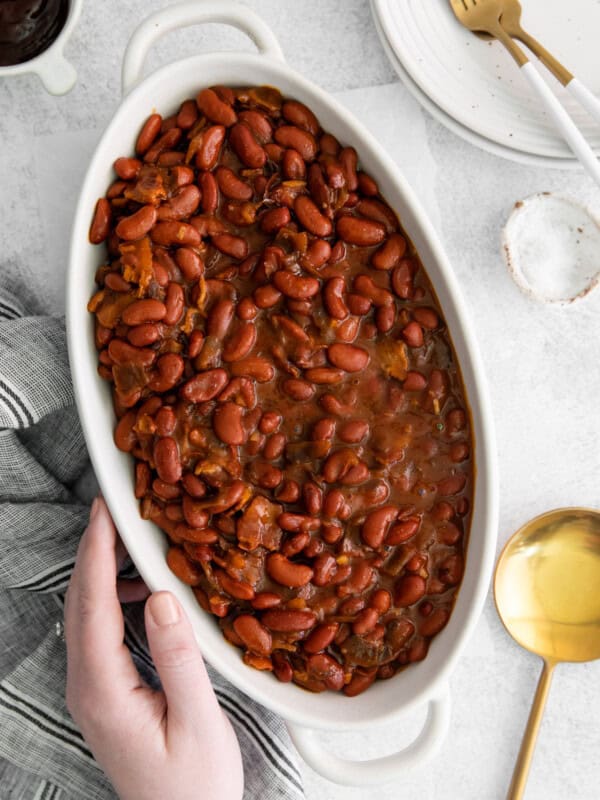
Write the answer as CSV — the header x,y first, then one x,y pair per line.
x,y
164,609
94,508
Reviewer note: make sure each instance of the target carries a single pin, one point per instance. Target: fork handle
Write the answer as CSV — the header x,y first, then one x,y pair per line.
x,y
585,98
567,128
580,92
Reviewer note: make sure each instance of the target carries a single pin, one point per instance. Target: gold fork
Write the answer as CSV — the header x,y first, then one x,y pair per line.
x,y
487,16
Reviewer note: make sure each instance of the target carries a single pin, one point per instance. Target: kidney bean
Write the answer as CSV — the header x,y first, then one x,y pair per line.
x,y
275,219
174,302
452,485
220,318
379,212
359,231
325,567
290,327
141,311
359,683
142,479
283,620
264,600
116,283
190,263
322,667
170,368
297,522
266,296
187,116
258,124
331,533
231,185
138,224
288,492
434,623
299,115
286,572
311,218
298,389
205,386
295,286
270,421
426,317
294,138
354,431
293,165
365,621
451,569
175,233
274,447
183,204
359,305
367,185
213,107
245,146
166,421
376,524
167,459
320,638
409,590
209,191
403,530
385,318
414,381
228,423
240,342
333,298
366,287
124,436
127,168
148,134
348,357
348,161
317,254
123,353
233,246
183,567
169,139
254,635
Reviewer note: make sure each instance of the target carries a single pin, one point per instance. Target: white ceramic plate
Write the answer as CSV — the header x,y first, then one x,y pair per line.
x,y
474,87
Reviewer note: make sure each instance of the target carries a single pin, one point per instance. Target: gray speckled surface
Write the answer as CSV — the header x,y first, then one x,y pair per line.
x,y
541,362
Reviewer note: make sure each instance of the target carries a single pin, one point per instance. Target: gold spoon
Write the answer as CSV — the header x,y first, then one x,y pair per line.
x,y
547,592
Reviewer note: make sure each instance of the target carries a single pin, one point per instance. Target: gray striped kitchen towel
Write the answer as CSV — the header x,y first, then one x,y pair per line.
x,y
43,511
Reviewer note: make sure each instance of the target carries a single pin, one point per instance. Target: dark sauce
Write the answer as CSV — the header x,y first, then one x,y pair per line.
x,y
28,27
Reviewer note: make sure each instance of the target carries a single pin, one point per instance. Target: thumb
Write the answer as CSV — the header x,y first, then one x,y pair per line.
x,y
180,666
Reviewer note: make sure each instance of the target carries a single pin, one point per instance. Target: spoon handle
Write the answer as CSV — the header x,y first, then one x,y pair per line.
x,y
521,771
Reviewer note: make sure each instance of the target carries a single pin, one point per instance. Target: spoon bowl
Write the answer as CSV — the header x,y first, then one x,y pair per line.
x,y
547,592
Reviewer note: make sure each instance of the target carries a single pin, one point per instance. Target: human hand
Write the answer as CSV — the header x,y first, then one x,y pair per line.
x,y
171,745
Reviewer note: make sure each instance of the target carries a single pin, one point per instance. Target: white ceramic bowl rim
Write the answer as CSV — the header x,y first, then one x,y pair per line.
x,y
426,681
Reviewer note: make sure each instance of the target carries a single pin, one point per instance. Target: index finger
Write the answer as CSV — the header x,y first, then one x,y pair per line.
x,y
94,627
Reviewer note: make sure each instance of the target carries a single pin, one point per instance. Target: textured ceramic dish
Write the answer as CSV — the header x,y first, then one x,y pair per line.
x,y
423,683
55,72
473,87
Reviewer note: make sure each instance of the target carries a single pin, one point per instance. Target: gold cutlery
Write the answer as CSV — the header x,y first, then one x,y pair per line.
x,y
547,592
501,20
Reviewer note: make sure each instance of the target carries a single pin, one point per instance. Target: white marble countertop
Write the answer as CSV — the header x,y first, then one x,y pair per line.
x,y
541,362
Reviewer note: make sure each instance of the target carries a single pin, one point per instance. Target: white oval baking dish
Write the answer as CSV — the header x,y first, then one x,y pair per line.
x,y
422,683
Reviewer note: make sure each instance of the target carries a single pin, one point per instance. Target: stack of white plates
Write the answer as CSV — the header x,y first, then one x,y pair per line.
x,y
474,87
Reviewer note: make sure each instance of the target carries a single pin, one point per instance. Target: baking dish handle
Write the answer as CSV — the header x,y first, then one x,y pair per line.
x,y
378,770
193,12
